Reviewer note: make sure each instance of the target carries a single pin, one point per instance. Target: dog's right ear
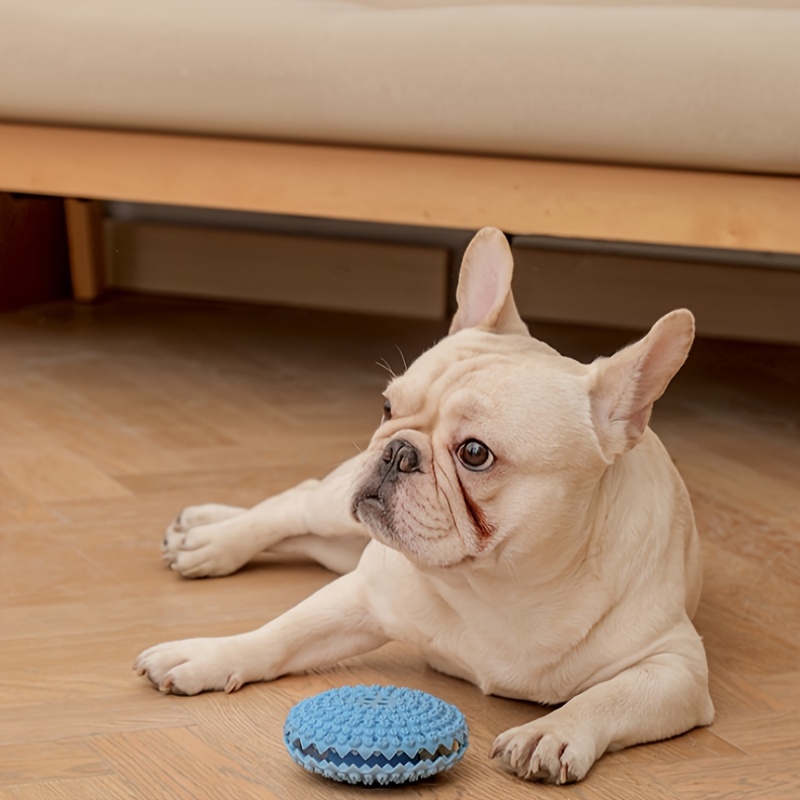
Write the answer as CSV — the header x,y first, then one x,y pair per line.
x,y
484,286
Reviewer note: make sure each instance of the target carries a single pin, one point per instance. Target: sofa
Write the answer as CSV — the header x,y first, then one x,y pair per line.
x,y
673,123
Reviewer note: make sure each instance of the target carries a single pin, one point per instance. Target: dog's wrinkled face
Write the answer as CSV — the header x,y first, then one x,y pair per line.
x,y
474,442
492,439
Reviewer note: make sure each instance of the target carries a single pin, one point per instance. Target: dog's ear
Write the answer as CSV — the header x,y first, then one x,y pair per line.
x,y
625,386
484,286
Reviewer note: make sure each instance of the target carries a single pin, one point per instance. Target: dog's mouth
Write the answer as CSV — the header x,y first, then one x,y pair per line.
x,y
370,508
367,504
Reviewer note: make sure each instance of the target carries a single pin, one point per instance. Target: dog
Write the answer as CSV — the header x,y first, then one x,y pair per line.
x,y
514,518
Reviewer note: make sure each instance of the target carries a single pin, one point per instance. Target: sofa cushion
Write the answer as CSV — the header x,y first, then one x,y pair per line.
x,y
710,84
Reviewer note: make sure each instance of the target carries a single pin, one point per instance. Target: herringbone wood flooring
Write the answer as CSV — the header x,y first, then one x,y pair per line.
x,y
113,417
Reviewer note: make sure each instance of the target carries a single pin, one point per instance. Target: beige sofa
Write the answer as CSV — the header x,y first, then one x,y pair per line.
x,y
670,122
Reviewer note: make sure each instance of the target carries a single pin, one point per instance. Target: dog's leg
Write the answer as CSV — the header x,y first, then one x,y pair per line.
x,y
332,624
232,536
661,696
337,553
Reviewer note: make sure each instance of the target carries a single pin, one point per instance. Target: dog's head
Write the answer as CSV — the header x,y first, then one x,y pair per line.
x,y
492,441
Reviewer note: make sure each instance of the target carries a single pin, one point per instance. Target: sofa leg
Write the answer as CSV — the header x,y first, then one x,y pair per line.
x,y
85,235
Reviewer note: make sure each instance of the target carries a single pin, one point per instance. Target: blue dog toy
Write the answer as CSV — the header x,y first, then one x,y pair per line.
x,y
369,734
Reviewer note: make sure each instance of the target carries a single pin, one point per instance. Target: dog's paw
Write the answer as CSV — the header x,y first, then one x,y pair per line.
x,y
196,546
546,750
173,539
191,666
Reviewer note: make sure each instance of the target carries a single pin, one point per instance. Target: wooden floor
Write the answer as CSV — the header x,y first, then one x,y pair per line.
x,y
115,416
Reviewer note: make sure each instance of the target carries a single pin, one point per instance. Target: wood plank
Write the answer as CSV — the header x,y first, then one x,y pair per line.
x,y
765,734
102,787
784,688
55,474
762,777
17,506
522,196
180,766
45,761
76,718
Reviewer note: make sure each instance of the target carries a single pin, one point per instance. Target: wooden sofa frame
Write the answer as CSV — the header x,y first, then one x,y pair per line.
x,y
522,196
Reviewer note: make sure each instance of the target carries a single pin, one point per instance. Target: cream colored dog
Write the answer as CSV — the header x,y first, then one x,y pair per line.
x,y
529,533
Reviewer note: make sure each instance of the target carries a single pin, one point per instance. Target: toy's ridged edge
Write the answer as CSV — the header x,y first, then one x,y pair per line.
x,y
355,774
411,748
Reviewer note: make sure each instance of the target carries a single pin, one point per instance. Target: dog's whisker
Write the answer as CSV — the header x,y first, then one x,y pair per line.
x,y
384,364
403,358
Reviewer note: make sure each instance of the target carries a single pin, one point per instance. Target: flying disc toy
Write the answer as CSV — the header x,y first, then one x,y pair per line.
x,y
375,734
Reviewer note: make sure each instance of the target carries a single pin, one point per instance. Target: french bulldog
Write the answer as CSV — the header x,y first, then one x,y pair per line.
x,y
514,518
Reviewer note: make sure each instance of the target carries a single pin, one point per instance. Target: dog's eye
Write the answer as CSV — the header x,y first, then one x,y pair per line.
x,y
475,455
387,411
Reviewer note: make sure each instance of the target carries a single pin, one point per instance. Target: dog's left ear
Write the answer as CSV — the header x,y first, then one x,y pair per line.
x,y
484,286
625,386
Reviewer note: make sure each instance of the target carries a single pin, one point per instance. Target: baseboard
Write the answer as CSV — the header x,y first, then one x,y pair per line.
x,y
379,278
729,301
756,299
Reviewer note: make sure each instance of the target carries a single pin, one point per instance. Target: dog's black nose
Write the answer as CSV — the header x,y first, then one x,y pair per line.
x,y
401,455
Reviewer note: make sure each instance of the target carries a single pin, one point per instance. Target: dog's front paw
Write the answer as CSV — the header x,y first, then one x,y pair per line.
x,y
196,545
545,750
191,666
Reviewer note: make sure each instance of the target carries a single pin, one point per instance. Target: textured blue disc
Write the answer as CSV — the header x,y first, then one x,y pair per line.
x,y
375,734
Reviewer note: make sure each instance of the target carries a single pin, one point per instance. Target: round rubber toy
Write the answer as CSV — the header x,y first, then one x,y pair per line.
x,y
375,734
